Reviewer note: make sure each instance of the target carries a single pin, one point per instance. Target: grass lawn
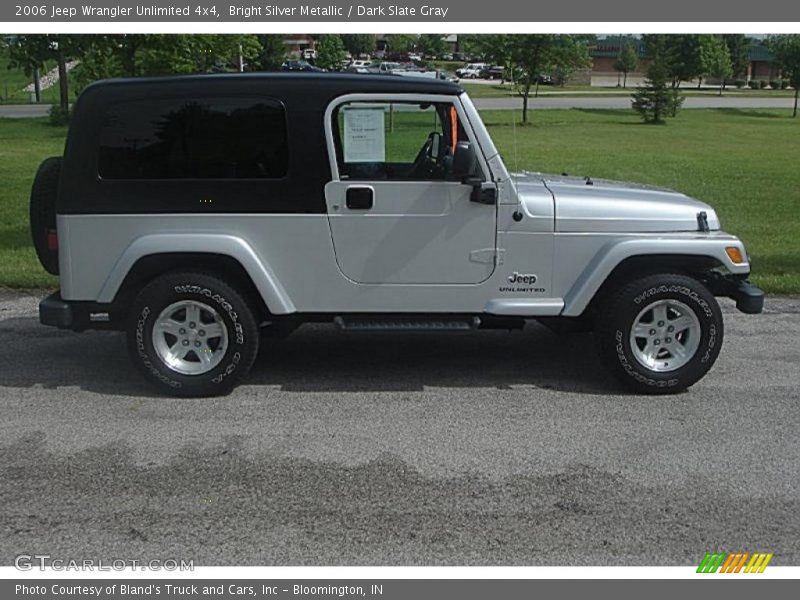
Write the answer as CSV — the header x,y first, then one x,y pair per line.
x,y
743,162
24,143
13,82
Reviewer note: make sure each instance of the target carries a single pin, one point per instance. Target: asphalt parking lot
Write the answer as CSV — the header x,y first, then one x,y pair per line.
x,y
478,448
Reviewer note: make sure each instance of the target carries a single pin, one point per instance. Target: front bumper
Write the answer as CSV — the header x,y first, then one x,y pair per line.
x,y
749,299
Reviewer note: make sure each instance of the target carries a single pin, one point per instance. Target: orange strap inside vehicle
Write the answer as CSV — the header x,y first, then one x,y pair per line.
x,y
453,128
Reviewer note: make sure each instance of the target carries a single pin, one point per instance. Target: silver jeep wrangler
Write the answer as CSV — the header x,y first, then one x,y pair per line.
x,y
200,213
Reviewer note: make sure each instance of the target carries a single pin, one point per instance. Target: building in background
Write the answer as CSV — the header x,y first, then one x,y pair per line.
x,y
606,51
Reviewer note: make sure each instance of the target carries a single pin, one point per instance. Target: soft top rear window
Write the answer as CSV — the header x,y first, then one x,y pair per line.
x,y
194,138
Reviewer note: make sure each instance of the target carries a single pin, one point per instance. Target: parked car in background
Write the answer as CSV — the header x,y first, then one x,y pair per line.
x,y
471,70
385,67
299,65
309,54
359,66
493,72
414,57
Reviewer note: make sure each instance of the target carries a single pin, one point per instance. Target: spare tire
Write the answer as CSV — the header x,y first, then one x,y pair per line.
x,y
43,213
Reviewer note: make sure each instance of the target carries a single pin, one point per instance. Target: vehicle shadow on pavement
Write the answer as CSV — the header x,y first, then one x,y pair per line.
x,y
321,358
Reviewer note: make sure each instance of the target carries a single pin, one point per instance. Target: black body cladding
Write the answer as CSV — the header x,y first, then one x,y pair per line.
x,y
305,98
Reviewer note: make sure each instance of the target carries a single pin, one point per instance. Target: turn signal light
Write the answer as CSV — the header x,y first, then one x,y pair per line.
x,y
735,255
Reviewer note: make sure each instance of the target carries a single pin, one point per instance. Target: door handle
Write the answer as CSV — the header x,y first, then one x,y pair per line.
x,y
359,198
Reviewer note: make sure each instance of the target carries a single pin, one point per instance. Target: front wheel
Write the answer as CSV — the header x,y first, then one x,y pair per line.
x,y
660,334
192,334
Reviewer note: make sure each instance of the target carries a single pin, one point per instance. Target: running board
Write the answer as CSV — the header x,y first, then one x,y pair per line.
x,y
407,323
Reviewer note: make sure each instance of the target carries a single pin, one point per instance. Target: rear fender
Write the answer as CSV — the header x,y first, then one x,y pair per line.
x,y
259,271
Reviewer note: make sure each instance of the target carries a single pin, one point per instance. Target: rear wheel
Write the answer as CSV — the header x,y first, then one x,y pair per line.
x,y
660,334
192,334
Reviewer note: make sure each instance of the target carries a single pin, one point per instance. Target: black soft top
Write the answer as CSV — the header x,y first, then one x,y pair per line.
x,y
305,96
329,84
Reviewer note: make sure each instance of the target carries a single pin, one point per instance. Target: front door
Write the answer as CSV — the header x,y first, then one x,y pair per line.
x,y
396,214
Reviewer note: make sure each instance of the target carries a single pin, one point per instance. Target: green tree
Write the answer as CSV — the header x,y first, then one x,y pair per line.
x,y
739,51
683,58
527,57
786,49
29,53
657,98
715,60
330,52
359,43
627,61
133,55
679,55
100,60
271,54
570,53
472,43
402,42
431,44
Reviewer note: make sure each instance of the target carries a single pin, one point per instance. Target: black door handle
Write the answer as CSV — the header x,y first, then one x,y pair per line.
x,y
359,198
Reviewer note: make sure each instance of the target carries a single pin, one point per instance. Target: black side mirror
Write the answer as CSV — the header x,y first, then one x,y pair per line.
x,y
465,170
465,162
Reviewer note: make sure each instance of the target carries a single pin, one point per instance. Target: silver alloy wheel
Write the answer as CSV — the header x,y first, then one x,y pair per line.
x,y
190,337
665,335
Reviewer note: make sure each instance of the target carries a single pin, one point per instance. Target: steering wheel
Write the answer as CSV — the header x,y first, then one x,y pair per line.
x,y
426,163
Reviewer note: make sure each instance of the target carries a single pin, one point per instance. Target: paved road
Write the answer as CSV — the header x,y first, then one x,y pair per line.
x,y
542,102
546,102
492,447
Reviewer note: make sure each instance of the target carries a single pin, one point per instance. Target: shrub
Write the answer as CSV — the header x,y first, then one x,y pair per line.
x,y
785,84
58,116
763,84
776,84
740,83
754,84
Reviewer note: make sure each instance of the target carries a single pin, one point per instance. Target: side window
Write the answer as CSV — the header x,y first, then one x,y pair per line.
x,y
396,140
202,138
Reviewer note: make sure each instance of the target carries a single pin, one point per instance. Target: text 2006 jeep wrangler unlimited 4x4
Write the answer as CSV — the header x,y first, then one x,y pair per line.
x,y
192,212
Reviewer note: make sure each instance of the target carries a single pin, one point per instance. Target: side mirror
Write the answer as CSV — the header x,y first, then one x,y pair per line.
x,y
465,170
465,162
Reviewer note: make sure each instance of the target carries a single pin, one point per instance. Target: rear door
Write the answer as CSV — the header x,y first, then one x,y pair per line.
x,y
396,214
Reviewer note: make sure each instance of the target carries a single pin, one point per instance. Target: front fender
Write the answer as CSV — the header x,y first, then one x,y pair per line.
x,y
612,254
263,277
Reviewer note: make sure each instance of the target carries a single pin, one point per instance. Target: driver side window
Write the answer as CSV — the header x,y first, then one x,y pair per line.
x,y
405,141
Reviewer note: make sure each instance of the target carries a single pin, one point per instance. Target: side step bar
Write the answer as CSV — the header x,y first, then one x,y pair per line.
x,y
407,323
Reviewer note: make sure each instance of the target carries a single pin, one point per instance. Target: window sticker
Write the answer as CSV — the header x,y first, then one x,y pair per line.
x,y
364,135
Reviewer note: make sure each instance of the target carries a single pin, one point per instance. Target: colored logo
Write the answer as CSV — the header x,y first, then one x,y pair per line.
x,y
734,562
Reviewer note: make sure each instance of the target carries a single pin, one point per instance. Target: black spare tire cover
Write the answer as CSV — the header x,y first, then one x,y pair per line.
x,y
43,213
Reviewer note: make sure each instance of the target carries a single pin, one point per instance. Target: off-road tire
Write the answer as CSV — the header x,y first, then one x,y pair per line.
x,y
43,211
616,318
233,310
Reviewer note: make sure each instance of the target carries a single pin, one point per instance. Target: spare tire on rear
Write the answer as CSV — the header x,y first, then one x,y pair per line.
x,y
43,213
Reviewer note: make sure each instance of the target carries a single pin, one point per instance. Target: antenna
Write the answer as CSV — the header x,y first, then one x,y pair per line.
x,y
518,213
514,122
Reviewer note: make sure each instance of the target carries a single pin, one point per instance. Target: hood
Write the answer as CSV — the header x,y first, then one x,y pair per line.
x,y
600,205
